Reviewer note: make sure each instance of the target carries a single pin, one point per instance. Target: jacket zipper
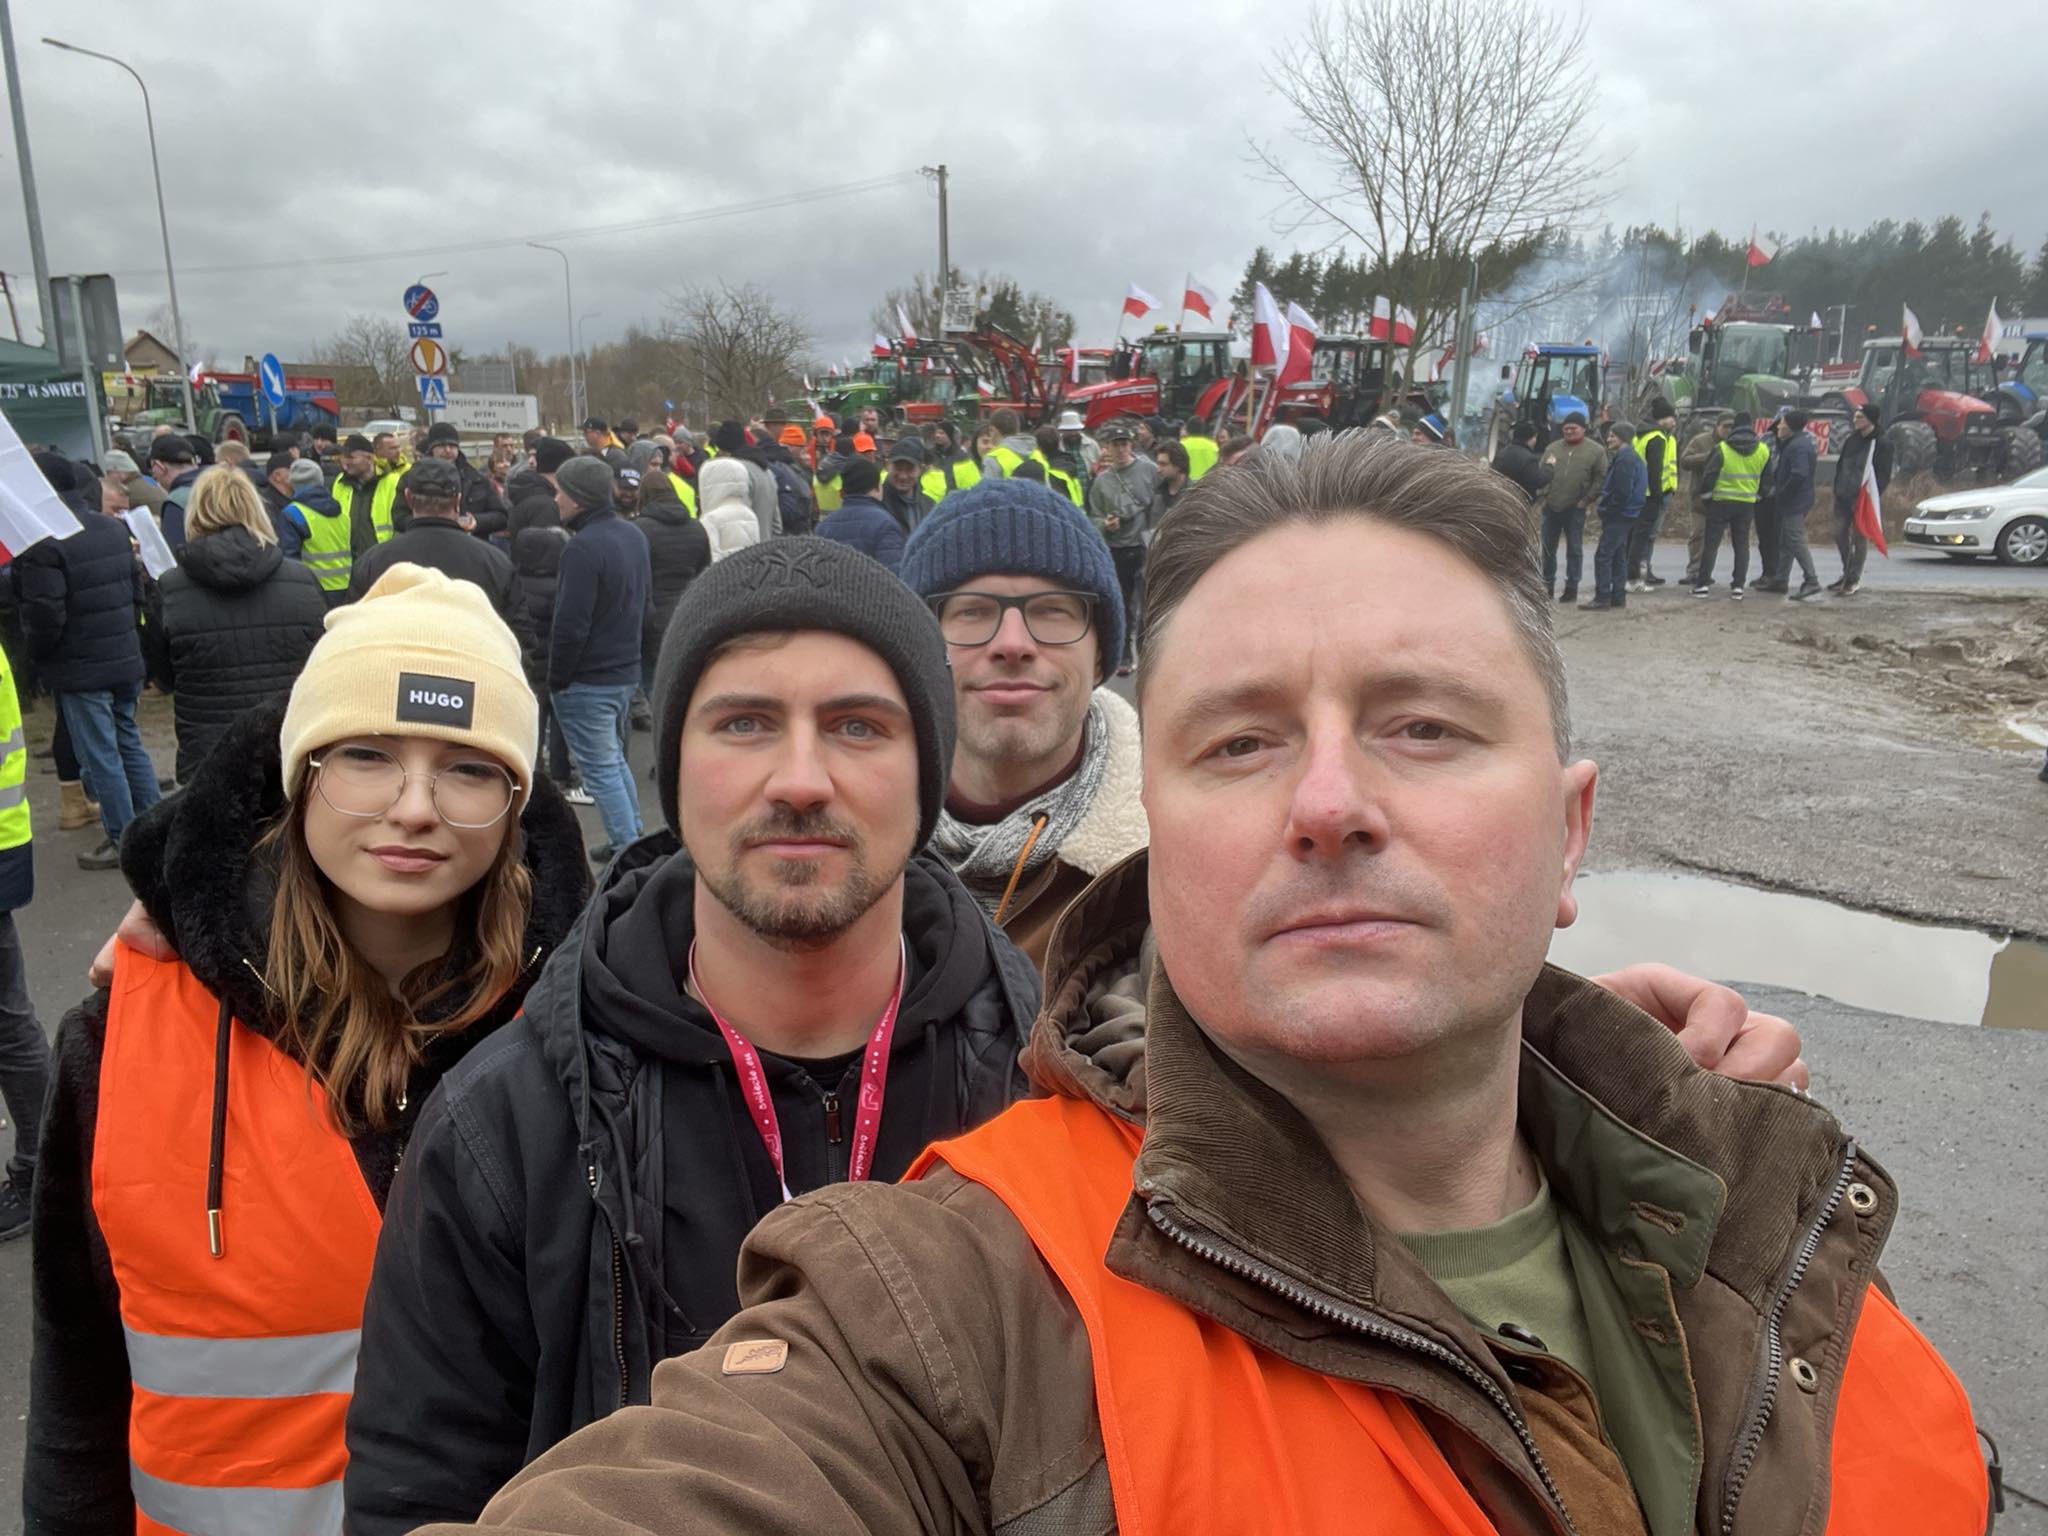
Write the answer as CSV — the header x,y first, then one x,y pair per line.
x,y
834,1131
1211,1248
1750,1441
618,1292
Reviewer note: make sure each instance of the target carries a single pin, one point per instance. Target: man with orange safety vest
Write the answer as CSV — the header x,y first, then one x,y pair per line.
x,y
1342,1209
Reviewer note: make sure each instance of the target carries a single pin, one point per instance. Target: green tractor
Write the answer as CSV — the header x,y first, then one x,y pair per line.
x,y
1747,357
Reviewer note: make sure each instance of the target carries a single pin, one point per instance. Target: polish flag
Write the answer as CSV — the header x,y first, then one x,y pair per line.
x,y
903,320
1269,331
1037,342
882,347
985,389
1382,327
1404,326
1814,324
1442,361
1301,347
30,509
1138,303
1761,249
1199,299
1990,338
198,374
1910,328
1870,504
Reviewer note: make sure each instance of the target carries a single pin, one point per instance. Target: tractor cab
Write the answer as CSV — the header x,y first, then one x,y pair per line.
x,y
1185,364
1169,373
1931,417
1554,381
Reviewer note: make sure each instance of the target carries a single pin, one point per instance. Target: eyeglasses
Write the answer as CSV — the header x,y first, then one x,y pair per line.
x,y
1053,618
359,780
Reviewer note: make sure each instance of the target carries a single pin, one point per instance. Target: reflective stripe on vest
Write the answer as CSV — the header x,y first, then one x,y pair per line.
x,y
326,551
381,499
1667,472
686,493
1202,454
241,1363
1007,459
954,475
1740,475
14,815
1203,1431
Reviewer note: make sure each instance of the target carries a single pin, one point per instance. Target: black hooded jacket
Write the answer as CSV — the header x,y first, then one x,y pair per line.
x,y
79,599
572,1206
192,859
238,622
678,550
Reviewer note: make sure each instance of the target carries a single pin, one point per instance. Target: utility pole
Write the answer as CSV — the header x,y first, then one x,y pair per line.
x,y
28,176
938,174
1461,365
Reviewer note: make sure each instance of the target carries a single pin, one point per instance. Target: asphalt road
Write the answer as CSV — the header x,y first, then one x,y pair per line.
x,y
1952,1112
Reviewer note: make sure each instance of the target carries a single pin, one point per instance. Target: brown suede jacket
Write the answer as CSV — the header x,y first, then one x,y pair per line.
x,y
906,1362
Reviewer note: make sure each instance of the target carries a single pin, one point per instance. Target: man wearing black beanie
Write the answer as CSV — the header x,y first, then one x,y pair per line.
x,y
779,991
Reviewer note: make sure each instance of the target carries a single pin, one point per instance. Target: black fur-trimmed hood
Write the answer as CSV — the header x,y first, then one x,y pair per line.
x,y
192,862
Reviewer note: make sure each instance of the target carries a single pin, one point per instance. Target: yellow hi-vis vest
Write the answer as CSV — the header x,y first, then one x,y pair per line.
x,y
1007,458
14,828
829,499
1202,454
955,475
686,493
1667,472
326,552
381,501
1741,474
1058,479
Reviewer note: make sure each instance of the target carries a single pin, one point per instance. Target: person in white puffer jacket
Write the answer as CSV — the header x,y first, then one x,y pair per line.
x,y
725,506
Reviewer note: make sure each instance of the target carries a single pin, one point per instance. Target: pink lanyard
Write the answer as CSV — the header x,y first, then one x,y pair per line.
x,y
874,1078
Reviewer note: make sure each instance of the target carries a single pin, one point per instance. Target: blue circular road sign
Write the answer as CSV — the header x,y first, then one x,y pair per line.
x,y
420,302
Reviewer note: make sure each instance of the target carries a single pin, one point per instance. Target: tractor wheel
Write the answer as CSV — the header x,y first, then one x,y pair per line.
x,y
2021,452
230,429
1914,447
1834,404
2024,542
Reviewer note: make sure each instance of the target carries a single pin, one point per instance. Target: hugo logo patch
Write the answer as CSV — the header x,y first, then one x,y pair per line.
x,y
425,700
755,1357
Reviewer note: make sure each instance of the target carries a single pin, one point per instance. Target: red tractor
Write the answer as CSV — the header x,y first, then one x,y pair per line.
x,y
1931,418
1188,375
1348,384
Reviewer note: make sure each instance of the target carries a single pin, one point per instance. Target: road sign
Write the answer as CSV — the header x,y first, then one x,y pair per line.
x,y
433,391
485,415
424,328
420,302
429,356
271,372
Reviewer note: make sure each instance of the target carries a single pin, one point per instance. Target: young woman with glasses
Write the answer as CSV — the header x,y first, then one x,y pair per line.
x,y
359,883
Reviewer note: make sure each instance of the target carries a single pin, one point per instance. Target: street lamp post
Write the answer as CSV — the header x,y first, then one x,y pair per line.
x,y
583,351
569,309
163,223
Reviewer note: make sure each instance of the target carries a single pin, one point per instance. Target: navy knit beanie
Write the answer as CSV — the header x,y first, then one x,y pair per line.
x,y
797,583
1017,528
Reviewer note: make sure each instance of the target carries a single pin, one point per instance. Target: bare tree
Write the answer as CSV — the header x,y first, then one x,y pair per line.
x,y
372,362
1024,312
1437,130
739,347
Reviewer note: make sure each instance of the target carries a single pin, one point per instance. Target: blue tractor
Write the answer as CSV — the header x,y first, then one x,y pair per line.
x,y
1555,380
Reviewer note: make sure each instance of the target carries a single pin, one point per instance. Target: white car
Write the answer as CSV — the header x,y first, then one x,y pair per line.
x,y
2008,521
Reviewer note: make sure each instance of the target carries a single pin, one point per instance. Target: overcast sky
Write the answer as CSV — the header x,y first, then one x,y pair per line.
x,y
1090,146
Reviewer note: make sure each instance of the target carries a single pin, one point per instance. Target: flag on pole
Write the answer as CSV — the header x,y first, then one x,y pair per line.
x,y
198,374
1814,324
1037,342
1269,331
1301,347
1870,506
1382,326
1761,248
909,330
30,510
882,347
1986,346
1404,326
985,389
1199,299
1138,303
1910,329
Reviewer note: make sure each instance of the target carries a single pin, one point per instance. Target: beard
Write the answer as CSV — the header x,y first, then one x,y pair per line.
x,y
794,906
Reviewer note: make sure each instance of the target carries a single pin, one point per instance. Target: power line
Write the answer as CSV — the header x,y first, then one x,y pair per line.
x,y
632,226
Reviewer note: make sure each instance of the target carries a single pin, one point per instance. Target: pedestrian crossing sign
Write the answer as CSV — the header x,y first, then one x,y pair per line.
x,y
433,391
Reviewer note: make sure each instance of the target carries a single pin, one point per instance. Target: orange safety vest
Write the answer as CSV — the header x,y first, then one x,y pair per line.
x,y
1205,1432
242,1362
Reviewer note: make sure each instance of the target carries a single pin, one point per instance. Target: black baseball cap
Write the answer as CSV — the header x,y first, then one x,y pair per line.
x,y
596,424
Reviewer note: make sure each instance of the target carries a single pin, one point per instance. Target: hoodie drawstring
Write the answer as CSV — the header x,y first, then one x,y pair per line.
x,y
216,1157
1038,825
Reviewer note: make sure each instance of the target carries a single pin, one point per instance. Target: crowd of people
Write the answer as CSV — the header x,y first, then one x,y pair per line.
x,y
402,1144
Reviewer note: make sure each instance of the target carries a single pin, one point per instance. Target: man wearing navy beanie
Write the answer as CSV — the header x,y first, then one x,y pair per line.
x,y
1043,795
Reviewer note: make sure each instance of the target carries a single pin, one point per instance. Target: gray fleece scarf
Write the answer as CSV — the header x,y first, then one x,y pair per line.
x,y
986,858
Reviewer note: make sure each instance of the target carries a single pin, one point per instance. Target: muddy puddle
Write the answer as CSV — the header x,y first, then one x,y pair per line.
x,y
1738,933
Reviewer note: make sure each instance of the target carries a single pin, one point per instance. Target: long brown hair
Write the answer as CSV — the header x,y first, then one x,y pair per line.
x,y
358,1041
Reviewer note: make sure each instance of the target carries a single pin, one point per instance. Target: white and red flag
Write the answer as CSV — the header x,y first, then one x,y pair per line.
x,y
1909,327
1138,303
1199,299
1989,343
1404,326
1269,330
882,347
903,320
1761,248
30,510
1301,347
1870,505
1382,326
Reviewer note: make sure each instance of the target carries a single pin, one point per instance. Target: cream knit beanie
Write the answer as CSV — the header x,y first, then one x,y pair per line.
x,y
419,654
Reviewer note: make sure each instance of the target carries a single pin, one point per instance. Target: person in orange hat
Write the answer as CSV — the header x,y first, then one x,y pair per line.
x,y
864,444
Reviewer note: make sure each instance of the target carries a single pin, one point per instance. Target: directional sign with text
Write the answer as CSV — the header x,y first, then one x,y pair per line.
x,y
420,328
433,391
429,356
271,372
420,302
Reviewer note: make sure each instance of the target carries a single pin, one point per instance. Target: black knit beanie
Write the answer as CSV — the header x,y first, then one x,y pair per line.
x,y
802,583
